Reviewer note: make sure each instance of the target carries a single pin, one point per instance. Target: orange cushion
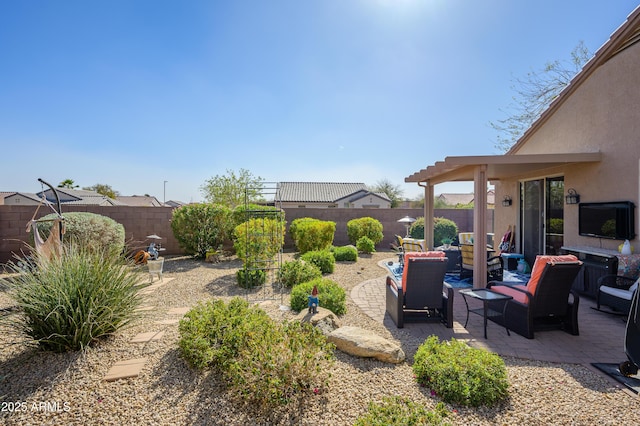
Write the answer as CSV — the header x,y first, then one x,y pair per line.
x,y
540,263
518,296
414,254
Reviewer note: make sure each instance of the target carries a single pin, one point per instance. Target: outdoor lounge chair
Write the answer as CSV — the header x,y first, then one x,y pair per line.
x,y
616,292
544,302
494,263
421,294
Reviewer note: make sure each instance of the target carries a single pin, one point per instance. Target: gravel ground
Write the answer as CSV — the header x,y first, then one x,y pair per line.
x,y
38,388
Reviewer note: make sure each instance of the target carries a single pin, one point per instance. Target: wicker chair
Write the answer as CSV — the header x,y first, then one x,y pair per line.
x,y
544,302
616,292
495,268
421,294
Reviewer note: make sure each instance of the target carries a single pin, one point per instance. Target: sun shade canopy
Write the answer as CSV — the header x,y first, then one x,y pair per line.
x,y
498,167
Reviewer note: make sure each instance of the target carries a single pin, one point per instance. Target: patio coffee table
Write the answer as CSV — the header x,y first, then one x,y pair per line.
x,y
486,296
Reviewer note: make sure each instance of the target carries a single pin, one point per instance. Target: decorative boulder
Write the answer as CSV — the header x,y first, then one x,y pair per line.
x,y
364,343
324,319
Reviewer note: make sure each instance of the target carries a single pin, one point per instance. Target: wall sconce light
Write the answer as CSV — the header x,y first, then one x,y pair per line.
x,y
572,197
506,201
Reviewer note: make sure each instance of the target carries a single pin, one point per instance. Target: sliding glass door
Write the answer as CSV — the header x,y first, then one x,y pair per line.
x,y
541,216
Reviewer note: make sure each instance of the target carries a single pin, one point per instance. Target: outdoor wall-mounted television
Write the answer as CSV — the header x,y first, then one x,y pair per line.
x,y
613,220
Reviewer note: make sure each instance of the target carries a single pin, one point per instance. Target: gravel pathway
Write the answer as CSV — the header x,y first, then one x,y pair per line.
x,y
42,388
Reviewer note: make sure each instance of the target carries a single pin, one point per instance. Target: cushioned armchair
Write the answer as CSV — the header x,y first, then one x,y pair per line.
x,y
616,292
421,294
545,302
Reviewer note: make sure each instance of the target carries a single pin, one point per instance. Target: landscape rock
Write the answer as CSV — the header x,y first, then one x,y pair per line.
x,y
364,343
324,319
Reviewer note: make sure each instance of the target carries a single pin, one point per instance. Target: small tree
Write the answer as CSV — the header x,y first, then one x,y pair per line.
x,y
230,189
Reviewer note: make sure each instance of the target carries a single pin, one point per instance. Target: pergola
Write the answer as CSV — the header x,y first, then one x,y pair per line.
x,y
481,170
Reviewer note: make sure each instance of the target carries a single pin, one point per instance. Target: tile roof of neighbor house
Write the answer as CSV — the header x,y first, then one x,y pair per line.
x,y
80,197
139,200
455,199
363,193
316,192
29,195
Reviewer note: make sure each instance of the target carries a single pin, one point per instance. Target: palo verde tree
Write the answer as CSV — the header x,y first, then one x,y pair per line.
x,y
534,93
229,190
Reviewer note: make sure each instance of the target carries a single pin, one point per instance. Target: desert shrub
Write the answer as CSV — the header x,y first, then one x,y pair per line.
x,y
89,230
399,411
201,227
365,245
69,301
312,234
461,374
323,259
364,227
263,362
345,253
257,242
250,278
330,295
443,228
297,271
243,213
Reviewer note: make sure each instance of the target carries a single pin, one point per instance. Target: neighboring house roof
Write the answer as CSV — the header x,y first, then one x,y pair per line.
x,y
455,199
316,192
80,197
12,195
174,203
139,200
362,194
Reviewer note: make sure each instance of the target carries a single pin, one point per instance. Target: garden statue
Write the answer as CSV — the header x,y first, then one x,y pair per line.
x,y
313,301
153,251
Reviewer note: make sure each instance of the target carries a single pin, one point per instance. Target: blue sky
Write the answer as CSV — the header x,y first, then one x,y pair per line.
x,y
132,93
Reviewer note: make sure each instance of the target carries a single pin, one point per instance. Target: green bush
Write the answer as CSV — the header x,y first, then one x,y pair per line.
x,y
330,296
365,245
262,362
201,227
89,230
257,242
250,278
68,302
399,411
310,234
242,213
416,230
364,227
297,271
443,228
460,374
323,259
345,253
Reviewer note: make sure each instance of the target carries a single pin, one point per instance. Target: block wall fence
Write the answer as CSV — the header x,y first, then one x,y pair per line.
x,y
139,222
